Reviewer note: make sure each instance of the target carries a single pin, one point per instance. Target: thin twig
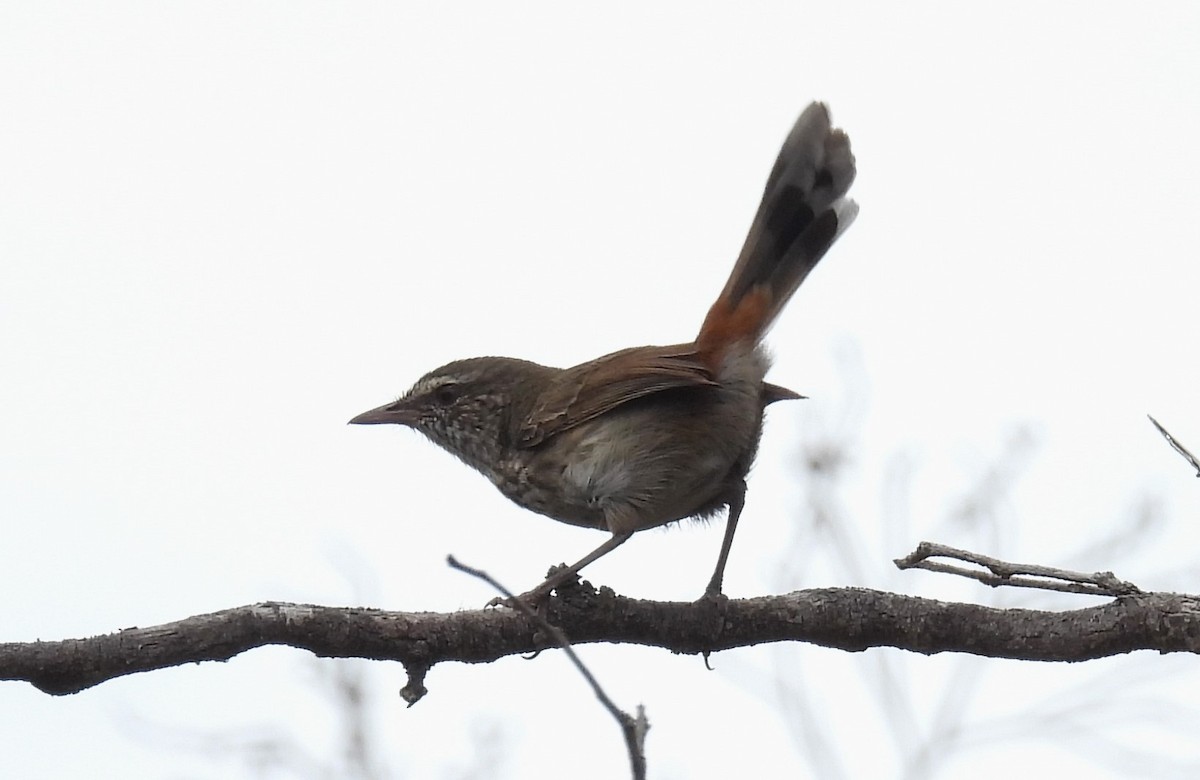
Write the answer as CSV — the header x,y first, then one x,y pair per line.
x,y
633,729
1020,575
1178,447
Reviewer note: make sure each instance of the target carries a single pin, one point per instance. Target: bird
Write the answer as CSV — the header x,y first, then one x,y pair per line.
x,y
649,435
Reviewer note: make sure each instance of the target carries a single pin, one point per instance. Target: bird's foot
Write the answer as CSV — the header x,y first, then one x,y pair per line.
x,y
534,600
561,576
712,607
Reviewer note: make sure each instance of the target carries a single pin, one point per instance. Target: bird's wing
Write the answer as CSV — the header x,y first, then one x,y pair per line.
x,y
591,389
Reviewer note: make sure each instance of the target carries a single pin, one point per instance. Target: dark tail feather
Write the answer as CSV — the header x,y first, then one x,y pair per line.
x,y
803,211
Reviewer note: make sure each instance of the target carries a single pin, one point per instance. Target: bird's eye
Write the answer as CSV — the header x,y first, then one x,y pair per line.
x,y
446,394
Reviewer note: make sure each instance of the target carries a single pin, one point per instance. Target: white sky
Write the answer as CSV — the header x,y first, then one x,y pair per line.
x,y
225,228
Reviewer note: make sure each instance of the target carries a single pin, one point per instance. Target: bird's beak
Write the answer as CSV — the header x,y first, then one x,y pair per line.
x,y
396,413
772,393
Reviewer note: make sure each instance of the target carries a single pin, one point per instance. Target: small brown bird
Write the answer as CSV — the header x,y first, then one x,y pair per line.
x,y
648,435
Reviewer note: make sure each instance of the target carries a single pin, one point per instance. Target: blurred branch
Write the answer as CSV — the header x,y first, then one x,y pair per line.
x,y
633,729
1189,457
844,618
271,750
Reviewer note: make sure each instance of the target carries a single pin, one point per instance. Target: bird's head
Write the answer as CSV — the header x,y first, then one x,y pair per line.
x,y
465,407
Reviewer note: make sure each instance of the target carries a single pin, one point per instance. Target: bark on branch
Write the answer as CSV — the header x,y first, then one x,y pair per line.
x,y
852,619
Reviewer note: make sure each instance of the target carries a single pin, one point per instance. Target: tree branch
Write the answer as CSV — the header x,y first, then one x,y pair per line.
x,y
1018,575
851,619
1175,445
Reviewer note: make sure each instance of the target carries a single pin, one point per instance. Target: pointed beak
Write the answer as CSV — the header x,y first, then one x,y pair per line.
x,y
395,413
773,393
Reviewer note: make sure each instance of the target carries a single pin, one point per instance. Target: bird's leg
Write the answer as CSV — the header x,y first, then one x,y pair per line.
x,y
534,597
736,502
713,599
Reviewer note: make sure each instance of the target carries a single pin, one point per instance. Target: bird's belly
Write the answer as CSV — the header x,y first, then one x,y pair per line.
x,y
641,467
544,492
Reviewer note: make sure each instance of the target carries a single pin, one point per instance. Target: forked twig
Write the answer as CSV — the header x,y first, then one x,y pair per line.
x,y
997,573
633,729
1178,447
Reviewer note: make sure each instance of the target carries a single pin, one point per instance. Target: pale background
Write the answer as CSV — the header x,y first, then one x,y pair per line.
x,y
225,228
